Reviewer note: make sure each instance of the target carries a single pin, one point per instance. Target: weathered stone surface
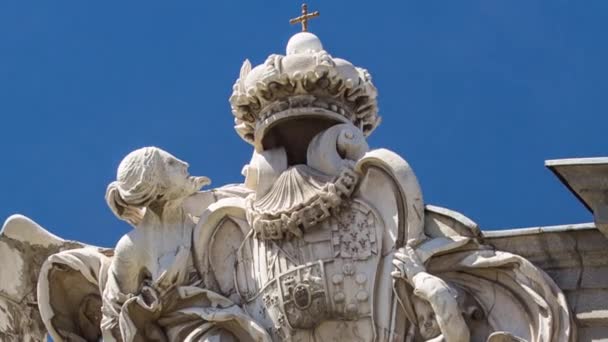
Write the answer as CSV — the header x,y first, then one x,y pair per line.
x,y
325,240
576,257
24,246
587,178
593,334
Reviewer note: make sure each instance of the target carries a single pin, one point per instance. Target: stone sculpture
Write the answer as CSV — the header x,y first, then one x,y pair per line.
x,y
151,291
326,240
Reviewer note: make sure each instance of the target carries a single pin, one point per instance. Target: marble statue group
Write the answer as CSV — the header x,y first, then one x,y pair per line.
x,y
324,240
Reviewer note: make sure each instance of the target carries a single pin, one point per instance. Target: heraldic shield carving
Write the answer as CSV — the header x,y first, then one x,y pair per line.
x,y
325,240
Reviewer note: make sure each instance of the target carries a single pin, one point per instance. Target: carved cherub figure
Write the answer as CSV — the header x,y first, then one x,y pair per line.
x,y
429,328
435,301
427,322
149,261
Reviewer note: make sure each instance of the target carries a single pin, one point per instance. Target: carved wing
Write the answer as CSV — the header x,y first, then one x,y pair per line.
x,y
24,246
48,285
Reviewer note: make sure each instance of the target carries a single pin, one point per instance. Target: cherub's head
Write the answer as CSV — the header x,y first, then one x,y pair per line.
x,y
149,175
427,322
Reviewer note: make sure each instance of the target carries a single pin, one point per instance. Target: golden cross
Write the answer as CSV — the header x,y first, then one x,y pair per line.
x,y
304,18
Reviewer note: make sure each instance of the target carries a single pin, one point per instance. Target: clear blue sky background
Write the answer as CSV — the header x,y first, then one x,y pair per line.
x,y
474,94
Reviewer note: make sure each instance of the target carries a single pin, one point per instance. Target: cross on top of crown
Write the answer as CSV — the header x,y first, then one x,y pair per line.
x,y
303,19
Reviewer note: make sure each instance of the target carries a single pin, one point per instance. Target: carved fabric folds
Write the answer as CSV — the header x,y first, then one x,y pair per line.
x,y
69,293
516,296
193,314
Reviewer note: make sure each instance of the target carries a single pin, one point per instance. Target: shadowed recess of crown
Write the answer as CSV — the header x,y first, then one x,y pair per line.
x,y
307,81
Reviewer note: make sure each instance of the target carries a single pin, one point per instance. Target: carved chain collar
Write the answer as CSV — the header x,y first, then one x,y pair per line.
x,y
312,210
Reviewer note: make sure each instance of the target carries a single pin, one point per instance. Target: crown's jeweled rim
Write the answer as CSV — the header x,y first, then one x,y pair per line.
x,y
307,81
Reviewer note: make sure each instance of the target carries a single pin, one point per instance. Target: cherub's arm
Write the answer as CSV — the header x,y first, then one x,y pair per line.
x,y
197,203
126,268
435,291
123,282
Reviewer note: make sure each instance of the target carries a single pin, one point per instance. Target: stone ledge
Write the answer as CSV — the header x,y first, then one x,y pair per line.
x,y
590,306
575,256
593,318
538,230
586,179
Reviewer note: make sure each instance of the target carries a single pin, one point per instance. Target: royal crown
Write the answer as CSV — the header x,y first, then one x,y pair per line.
x,y
306,82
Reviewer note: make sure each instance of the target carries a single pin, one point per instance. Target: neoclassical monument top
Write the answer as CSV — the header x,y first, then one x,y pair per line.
x,y
325,239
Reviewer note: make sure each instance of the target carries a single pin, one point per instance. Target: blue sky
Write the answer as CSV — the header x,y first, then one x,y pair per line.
x,y
474,94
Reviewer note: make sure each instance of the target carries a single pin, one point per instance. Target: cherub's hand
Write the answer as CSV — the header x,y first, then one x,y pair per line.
x,y
149,298
407,263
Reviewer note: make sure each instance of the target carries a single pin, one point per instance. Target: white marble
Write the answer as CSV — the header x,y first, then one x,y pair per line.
x,y
576,258
325,240
587,178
